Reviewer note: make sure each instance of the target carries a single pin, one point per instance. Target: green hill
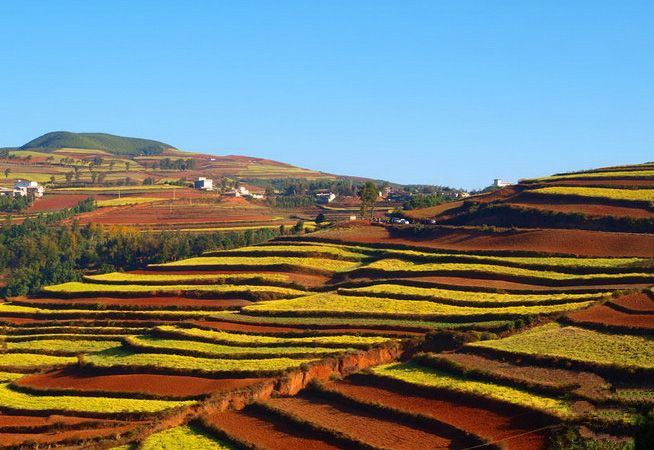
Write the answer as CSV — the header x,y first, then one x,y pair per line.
x,y
117,145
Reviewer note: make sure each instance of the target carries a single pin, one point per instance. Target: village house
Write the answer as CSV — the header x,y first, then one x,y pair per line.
x,y
203,183
325,197
31,188
500,183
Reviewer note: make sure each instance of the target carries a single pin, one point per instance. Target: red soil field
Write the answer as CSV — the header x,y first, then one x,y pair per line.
x,y
155,385
600,182
604,315
10,439
425,213
264,329
54,420
145,302
515,430
591,209
51,202
572,242
461,283
364,426
265,432
636,303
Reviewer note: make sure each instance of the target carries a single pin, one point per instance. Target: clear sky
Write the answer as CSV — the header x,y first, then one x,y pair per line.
x,y
442,92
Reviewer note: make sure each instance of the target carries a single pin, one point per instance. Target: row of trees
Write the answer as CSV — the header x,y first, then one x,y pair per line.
x,y
14,204
37,253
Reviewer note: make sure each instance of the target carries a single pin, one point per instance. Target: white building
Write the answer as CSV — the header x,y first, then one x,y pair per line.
x,y
500,183
325,197
24,187
203,183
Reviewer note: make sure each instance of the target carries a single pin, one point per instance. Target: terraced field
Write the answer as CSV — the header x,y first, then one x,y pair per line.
x,y
269,346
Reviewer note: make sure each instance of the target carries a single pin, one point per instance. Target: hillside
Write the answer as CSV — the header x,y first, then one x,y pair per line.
x,y
474,334
116,145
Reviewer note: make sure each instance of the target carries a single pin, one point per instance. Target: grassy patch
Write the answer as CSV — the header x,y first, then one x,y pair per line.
x,y
579,344
30,361
331,265
189,437
128,201
172,278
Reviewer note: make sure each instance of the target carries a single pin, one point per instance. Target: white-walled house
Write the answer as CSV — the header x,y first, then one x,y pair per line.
x,y
325,197
24,187
203,183
501,183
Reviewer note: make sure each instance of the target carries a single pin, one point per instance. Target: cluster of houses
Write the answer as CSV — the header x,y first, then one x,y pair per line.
x,y
24,188
206,184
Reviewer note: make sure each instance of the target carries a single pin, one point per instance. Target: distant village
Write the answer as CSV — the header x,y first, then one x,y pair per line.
x,y
24,188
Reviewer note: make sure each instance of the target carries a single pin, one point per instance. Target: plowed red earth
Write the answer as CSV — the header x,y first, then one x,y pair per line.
x,y
587,208
72,436
146,302
639,302
265,432
39,422
462,283
514,429
363,426
573,242
162,385
604,315
51,202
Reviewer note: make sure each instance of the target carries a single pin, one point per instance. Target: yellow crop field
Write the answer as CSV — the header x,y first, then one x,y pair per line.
x,y
579,344
170,278
309,263
610,174
144,187
71,347
251,339
641,195
192,437
226,351
26,311
30,360
124,358
469,298
423,376
324,304
18,400
75,287
309,249
124,201
396,265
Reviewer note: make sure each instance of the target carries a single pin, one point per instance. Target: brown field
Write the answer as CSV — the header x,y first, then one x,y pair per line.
x,y
53,202
138,302
572,242
635,303
364,426
266,432
10,421
601,315
138,383
516,430
592,209
63,437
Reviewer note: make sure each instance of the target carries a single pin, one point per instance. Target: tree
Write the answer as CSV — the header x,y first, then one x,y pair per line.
x,y
368,195
52,179
7,172
69,176
320,218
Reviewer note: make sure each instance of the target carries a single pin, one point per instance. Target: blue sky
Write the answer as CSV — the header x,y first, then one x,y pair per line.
x,y
442,92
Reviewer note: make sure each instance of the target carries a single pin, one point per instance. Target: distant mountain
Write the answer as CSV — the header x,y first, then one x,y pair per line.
x,y
117,145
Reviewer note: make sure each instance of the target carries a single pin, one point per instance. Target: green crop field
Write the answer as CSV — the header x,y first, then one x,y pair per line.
x,y
173,278
468,298
154,344
331,265
334,304
396,265
225,337
641,195
579,344
18,400
424,376
29,361
192,437
125,358
75,287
